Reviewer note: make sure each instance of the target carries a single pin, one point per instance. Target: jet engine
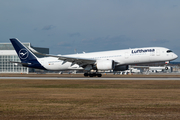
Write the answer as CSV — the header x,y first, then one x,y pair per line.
x,y
105,64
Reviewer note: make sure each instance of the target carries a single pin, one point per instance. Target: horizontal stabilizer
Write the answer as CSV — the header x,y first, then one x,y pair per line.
x,y
24,64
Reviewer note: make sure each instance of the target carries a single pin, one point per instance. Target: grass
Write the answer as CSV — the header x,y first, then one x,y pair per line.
x,y
89,99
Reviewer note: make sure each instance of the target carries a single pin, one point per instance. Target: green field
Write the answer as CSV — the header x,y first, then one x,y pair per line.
x,y
89,99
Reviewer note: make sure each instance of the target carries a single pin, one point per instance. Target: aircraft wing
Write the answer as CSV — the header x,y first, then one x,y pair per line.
x,y
74,60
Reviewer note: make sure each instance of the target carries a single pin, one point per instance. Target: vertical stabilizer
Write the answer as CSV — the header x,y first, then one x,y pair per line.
x,y
22,51
27,58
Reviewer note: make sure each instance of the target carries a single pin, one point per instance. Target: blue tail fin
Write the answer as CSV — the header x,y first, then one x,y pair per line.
x,y
27,58
23,53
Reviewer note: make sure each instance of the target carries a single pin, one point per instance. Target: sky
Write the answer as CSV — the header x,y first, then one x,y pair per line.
x,y
66,26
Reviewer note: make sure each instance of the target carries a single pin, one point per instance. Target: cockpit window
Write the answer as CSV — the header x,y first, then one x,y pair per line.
x,y
168,51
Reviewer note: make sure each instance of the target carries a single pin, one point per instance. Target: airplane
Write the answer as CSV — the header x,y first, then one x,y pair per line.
x,y
116,60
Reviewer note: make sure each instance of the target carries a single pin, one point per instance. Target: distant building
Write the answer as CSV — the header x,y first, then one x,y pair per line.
x,y
7,53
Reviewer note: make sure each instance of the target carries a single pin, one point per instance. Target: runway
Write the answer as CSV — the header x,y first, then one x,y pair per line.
x,y
84,78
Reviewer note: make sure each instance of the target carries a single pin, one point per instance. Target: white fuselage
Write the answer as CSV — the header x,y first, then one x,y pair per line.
x,y
121,57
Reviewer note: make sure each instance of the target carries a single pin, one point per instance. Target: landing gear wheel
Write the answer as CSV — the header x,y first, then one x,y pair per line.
x,y
86,74
99,75
92,74
166,68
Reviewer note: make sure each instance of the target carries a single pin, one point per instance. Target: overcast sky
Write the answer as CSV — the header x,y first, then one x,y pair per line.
x,y
92,25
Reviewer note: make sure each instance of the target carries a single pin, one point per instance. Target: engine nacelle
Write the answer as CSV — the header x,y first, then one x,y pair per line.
x,y
121,68
105,64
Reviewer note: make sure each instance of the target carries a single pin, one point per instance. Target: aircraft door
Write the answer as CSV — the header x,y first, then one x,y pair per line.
x,y
43,63
157,52
152,56
126,55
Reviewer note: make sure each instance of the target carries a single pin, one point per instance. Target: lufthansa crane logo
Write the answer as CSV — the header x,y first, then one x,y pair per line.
x,y
23,53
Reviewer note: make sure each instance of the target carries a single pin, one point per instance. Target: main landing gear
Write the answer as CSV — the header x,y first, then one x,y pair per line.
x,y
92,74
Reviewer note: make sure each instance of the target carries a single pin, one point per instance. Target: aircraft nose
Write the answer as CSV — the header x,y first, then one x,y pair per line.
x,y
175,56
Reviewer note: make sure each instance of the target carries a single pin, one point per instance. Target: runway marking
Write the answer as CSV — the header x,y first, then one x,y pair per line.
x,y
84,78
